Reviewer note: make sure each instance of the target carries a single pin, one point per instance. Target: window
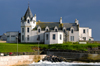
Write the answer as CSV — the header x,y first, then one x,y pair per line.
x,y
83,30
84,38
39,30
72,38
60,36
22,30
64,30
28,21
27,37
47,36
22,37
38,37
27,29
12,36
47,30
54,36
55,30
7,36
72,31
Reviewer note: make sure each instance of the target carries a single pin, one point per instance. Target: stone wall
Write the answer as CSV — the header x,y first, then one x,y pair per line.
x,y
77,56
11,60
67,55
2,41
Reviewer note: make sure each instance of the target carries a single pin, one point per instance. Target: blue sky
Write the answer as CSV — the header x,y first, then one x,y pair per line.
x,y
86,11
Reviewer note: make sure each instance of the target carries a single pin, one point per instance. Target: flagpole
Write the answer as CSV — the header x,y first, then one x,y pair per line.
x,y
38,42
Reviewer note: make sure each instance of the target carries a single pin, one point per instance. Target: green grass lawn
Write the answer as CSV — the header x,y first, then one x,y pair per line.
x,y
74,46
12,47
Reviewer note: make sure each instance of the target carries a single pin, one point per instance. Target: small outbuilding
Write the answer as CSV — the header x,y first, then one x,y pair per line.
x,y
12,37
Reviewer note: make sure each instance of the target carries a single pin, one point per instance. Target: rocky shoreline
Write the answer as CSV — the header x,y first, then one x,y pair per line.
x,y
53,58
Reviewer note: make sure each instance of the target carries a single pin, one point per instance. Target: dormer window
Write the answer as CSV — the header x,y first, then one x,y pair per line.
x,y
39,30
72,31
55,30
64,30
47,30
28,21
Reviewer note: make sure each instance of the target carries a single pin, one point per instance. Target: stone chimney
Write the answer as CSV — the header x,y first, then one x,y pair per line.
x,y
35,17
38,20
60,20
76,21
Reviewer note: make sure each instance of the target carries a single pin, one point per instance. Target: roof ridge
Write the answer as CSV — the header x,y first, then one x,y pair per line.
x,y
48,22
69,23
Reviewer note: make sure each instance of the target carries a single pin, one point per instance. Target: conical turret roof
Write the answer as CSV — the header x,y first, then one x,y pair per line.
x,y
28,13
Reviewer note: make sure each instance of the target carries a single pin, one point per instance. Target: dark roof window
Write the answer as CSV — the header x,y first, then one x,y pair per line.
x,y
64,30
47,30
71,30
56,30
39,30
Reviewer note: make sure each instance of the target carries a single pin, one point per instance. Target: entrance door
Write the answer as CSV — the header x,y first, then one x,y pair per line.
x,y
84,38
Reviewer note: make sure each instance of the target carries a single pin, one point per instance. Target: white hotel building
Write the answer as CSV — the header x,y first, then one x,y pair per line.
x,y
33,31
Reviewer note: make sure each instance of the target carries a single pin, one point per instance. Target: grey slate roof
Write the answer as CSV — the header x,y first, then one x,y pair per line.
x,y
69,25
52,25
28,13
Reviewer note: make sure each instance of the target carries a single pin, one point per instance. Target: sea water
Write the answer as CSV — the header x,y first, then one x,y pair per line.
x,y
47,63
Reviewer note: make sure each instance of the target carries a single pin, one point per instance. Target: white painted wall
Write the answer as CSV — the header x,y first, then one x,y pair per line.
x,y
75,34
32,23
34,36
87,34
90,32
60,41
51,38
57,38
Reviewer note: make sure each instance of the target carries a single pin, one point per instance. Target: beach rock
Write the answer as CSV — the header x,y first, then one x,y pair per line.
x,y
54,59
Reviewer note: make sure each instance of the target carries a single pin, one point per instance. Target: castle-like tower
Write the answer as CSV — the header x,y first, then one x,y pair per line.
x,y
28,22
